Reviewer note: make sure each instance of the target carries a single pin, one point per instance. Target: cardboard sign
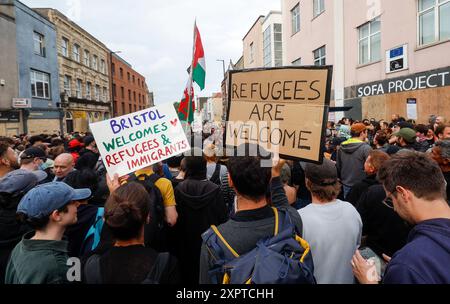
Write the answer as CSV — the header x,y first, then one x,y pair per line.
x,y
138,140
284,110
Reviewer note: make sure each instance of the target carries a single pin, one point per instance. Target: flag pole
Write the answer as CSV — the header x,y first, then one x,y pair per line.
x,y
191,72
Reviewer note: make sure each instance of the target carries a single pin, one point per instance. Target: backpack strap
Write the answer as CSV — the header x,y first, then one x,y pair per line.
x,y
96,228
227,245
277,225
216,174
161,263
152,178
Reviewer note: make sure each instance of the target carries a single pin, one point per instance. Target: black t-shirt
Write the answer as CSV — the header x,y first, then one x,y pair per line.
x,y
132,264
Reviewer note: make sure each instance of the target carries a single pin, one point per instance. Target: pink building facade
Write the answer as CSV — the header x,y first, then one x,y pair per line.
x,y
386,54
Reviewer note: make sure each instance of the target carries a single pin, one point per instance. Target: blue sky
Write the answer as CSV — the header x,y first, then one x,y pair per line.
x,y
155,36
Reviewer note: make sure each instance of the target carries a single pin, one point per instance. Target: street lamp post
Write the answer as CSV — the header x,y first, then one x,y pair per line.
x,y
112,81
223,65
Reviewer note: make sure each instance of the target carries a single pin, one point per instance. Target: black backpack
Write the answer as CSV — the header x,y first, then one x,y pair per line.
x,y
215,178
155,233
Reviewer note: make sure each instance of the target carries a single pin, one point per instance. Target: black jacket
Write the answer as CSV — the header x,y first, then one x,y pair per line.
x,y
11,231
360,188
386,231
87,159
200,204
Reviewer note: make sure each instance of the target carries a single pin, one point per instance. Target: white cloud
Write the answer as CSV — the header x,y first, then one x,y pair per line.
x,y
155,36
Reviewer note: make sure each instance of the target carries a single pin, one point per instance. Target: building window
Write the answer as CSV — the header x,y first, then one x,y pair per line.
x,y
134,79
135,108
102,66
88,90
278,44
252,53
113,69
433,20
123,108
267,46
65,47
295,18
95,62
114,91
87,61
319,7
297,62
76,52
40,84
97,92
134,96
129,108
370,41
320,56
121,73
129,76
105,94
67,85
122,91
79,88
39,48
129,95
139,98
139,82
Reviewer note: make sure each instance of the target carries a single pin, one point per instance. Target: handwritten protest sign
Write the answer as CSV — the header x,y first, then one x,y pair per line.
x,y
283,110
138,140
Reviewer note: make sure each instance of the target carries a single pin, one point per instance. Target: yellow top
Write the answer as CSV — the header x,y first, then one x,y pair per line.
x,y
164,185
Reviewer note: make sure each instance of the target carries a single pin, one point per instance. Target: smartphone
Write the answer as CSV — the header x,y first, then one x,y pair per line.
x,y
380,263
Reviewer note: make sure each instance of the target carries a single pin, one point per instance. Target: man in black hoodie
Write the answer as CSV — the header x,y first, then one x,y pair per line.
x,y
374,161
200,204
351,158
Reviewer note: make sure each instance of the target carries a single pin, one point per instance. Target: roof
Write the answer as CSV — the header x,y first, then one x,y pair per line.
x,y
258,19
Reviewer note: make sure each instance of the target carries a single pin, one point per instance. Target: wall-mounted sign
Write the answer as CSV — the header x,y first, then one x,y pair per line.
x,y
397,59
21,103
419,81
411,108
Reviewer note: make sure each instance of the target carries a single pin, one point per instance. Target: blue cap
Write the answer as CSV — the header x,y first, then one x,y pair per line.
x,y
42,200
21,181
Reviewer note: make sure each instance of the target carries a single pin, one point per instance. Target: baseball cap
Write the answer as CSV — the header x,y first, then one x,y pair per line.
x,y
21,181
358,127
322,175
409,135
32,153
74,143
42,200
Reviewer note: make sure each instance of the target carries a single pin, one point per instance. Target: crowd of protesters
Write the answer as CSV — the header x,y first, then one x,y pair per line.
x,y
383,187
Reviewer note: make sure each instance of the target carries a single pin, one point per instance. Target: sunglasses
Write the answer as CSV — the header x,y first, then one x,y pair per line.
x,y
388,202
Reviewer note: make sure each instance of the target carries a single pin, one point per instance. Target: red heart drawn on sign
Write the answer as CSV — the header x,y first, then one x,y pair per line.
x,y
174,122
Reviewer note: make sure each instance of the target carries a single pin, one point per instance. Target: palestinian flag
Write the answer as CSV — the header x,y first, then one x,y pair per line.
x,y
187,105
198,62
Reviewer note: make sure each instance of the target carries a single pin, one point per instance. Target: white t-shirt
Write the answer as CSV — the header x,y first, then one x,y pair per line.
x,y
333,231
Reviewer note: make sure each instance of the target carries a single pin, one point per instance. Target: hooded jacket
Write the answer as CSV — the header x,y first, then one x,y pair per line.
x,y
350,161
11,231
426,257
200,204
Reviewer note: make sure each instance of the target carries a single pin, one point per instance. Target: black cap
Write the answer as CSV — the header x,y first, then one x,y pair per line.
x,y
88,140
33,152
322,175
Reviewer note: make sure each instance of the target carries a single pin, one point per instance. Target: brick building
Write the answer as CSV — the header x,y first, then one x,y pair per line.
x,y
129,90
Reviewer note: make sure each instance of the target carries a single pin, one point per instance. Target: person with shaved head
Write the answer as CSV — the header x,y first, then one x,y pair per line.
x,y
64,164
